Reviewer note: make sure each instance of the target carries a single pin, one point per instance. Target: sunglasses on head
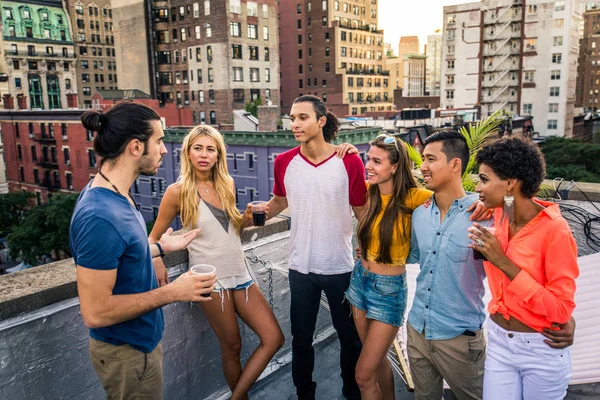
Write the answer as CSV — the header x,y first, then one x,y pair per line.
x,y
387,139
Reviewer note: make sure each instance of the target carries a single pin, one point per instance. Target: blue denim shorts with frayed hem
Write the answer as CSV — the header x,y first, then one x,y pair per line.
x,y
383,297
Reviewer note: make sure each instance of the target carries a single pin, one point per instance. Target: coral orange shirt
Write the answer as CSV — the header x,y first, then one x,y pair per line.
x,y
546,252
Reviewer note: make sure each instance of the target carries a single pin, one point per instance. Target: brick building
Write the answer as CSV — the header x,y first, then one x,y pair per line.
x,y
588,71
210,56
94,47
333,50
49,151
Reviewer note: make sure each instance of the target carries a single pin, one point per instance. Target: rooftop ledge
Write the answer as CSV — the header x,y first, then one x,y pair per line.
x,y
33,288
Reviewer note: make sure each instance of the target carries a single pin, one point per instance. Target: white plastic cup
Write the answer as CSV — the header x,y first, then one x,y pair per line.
x,y
203,269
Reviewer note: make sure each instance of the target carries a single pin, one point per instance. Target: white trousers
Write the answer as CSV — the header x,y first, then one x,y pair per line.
x,y
520,366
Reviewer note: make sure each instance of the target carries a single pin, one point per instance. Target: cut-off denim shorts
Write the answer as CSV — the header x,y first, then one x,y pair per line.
x,y
383,297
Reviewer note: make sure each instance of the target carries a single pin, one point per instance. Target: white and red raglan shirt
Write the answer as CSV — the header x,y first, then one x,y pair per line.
x,y
319,198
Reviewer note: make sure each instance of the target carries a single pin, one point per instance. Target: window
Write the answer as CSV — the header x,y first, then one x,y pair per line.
x,y
449,94
532,9
450,79
327,67
91,158
235,29
552,124
554,91
267,75
254,53
235,6
18,83
201,96
238,74
197,31
555,74
265,33
527,108
530,44
183,36
238,95
529,76
324,5
211,96
326,51
557,41
210,75
300,83
451,49
266,54
66,155
255,94
450,64
265,11
553,107
559,6
323,21
196,8
206,7
451,34
559,23
213,118
87,91
208,30
299,54
252,31
236,51
252,9
35,91
254,75
556,58
299,39
209,54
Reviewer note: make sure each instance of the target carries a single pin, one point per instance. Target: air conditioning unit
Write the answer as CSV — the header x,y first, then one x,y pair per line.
x,y
70,187
153,194
64,137
68,162
31,136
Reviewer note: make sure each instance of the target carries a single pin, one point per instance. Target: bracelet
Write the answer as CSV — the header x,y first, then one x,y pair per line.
x,y
160,249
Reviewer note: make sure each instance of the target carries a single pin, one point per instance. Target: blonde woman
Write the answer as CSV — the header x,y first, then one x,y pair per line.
x,y
204,197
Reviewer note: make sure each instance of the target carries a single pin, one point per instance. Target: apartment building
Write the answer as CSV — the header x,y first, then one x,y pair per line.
x,y
38,60
211,56
433,72
513,56
94,46
334,50
588,76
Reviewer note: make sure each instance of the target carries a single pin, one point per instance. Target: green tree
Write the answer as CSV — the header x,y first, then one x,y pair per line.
x,y
12,207
571,159
44,230
252,106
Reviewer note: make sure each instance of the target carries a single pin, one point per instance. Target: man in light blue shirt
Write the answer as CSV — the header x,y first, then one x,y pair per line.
x,y
445,340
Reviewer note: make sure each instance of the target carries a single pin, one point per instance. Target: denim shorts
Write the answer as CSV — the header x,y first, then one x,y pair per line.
x,y
383,297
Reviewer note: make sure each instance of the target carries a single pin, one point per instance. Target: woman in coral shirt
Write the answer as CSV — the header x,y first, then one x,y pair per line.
x,y
531,268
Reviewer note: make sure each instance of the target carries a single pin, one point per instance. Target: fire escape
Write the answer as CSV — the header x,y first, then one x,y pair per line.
x,y
501,47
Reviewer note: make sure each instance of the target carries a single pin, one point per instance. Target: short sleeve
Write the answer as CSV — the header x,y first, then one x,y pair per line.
x,y
356,178
97,244
418,197
281,163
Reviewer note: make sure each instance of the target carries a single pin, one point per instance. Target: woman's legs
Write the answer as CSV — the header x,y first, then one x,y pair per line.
x,y
225,325
373,372
255,312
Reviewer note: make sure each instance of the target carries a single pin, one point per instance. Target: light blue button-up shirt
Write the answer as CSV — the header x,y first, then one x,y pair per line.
x,y
449,294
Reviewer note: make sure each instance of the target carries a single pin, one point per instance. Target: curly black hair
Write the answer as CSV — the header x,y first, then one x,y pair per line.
x,y
516,158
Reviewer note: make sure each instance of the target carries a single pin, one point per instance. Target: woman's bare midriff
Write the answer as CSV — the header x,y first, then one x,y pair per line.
x,y
512,324
383,269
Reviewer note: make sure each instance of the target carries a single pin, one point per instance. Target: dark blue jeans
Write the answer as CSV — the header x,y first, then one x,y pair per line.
x,y
305,296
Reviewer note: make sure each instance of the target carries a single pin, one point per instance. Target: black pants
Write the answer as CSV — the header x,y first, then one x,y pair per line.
x,y
305,296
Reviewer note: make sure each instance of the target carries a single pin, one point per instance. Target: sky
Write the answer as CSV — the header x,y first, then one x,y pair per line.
x,y
412,18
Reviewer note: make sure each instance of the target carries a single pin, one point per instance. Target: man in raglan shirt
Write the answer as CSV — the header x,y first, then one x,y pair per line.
x,y
321,191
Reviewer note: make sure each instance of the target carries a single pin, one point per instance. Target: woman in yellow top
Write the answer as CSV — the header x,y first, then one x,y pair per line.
x,y
378,288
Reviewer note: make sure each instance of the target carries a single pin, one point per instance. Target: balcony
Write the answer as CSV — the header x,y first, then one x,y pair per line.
x,y
47,163
50,184
44,138
366,72
38,54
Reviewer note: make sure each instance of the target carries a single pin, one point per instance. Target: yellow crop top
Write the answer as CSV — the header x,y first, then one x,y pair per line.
x,y
400,247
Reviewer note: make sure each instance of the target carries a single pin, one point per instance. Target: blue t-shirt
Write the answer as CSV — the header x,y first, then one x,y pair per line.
x,y
106,233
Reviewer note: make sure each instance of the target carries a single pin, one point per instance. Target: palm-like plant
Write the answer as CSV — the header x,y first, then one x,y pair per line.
x,y
476,136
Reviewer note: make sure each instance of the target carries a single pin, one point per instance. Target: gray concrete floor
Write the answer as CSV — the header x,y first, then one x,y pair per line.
x,y
279,385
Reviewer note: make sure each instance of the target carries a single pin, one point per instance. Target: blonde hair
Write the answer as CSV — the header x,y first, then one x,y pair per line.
x,y
219,175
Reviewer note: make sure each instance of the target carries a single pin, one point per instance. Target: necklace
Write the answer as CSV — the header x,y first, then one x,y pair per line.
x,y
205,189
114,187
